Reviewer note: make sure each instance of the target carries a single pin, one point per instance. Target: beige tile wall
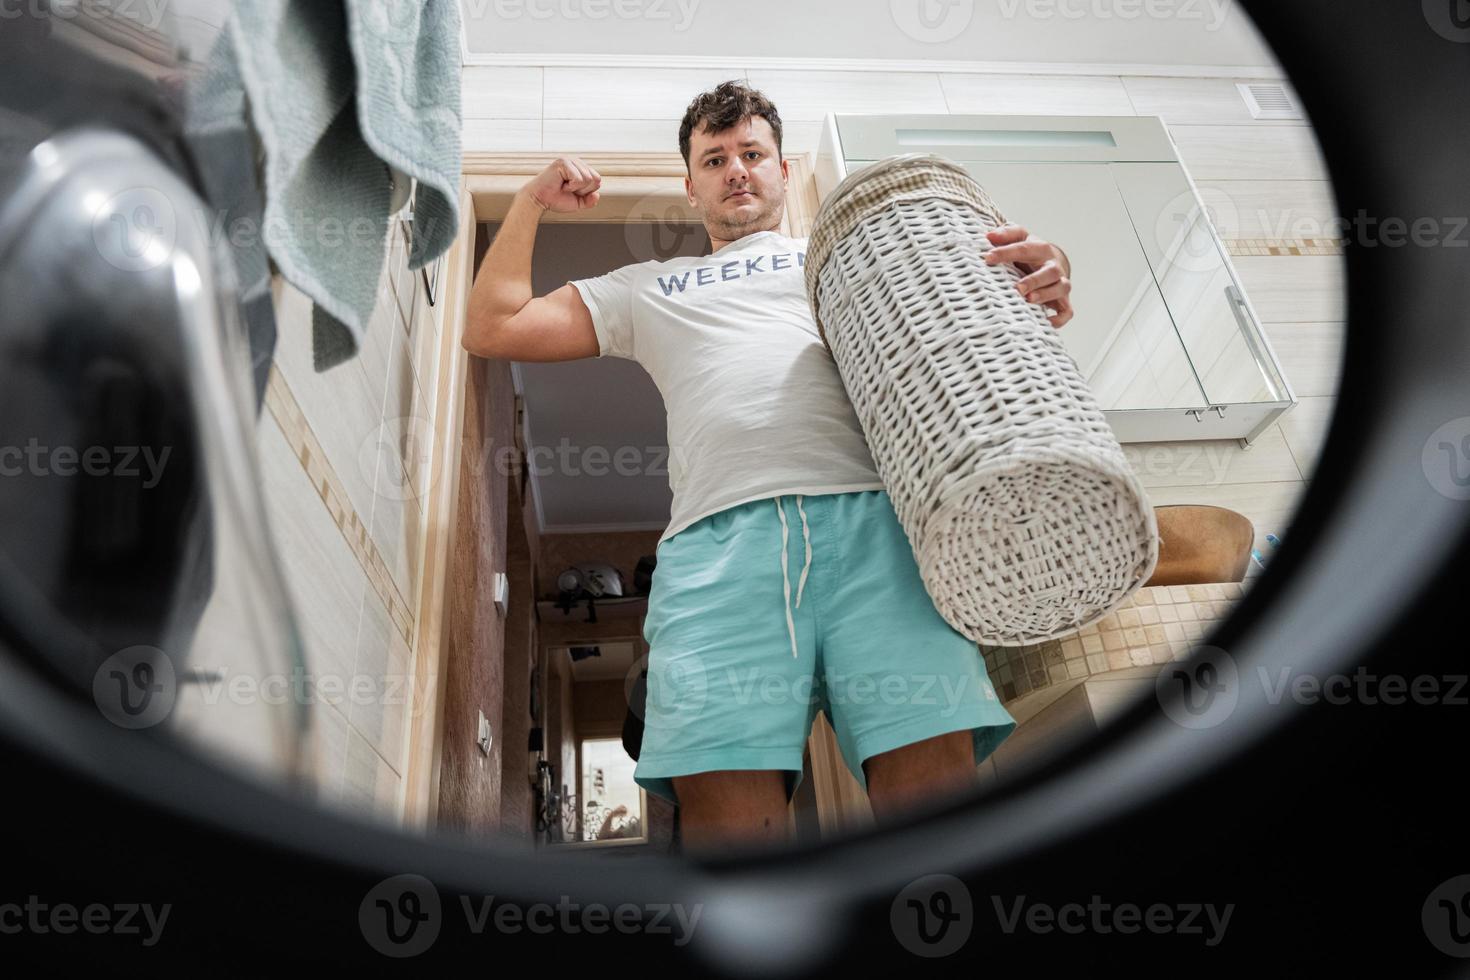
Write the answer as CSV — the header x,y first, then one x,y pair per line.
x,y
343,456
1265,182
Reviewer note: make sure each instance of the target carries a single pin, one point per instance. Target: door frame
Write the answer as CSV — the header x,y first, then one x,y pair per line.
x,y
636,187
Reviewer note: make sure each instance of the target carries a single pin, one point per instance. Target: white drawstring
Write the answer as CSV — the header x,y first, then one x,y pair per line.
x,y
807,564
785,575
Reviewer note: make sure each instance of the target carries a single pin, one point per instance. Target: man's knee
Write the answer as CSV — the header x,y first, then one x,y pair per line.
x,y
735,790
943,755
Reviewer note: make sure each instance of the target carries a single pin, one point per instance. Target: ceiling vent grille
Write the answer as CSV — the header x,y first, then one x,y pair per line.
x,y
1268,100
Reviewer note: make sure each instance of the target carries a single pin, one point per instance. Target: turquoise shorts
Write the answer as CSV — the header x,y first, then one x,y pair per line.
x,y
765,612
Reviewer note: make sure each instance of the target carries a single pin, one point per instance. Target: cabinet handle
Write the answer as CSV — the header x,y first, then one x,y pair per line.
x,y
1248,330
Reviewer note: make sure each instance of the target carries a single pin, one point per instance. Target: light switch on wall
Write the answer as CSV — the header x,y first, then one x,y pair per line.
x,y
502,592
483,739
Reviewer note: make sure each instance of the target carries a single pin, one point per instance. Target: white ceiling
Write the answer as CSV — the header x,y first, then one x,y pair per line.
x,y
614,662
598,406
1094,32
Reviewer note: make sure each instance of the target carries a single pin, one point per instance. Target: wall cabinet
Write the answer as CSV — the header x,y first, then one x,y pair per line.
x,y
1164,332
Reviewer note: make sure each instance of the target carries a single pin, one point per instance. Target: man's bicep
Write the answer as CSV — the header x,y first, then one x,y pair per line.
x,y
554,327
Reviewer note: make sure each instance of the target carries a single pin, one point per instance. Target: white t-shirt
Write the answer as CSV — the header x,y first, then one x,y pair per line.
x,y
756,407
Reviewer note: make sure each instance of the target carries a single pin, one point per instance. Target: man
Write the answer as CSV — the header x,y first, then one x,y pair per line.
x,y
758,422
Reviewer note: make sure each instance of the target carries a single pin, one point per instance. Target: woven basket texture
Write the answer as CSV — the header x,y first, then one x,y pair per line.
x,y
1025,518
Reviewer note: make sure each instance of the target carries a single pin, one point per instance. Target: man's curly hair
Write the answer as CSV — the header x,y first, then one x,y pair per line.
x,y
727,104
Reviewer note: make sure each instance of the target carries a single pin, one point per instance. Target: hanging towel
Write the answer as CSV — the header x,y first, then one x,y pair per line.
x,y
343,94
225,152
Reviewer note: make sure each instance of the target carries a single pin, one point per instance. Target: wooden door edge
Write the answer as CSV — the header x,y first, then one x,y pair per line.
x,y
419,793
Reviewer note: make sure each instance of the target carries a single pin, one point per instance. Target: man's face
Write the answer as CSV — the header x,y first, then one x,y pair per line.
x,y
735,182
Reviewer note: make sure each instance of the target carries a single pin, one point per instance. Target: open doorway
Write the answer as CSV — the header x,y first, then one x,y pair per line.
x,y
587,483
613,806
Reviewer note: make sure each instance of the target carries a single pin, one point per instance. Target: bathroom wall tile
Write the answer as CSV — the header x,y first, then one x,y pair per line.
x,y
1212,462
376,342
1062,95
397,530
397,275
650,135
324,459
810,95
1194,101
501,93
332,728
401,389
437,311
1249,152
800,136
376,461
340,405
491,135
418,446
236,642
630,93
1310,355
323,576
1296,209
1295,289
374,439
402,385
610,135
369,786
405,440
383,667
1305,428
423,339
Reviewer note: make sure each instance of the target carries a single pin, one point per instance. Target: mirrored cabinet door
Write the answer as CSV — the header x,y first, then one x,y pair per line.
x,y
1122,336
1211,316
1162,330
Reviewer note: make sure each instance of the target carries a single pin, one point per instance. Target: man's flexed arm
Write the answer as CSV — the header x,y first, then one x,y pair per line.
x,y
504,318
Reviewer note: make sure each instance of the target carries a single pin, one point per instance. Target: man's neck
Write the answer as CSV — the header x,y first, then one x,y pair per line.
x,y
717,243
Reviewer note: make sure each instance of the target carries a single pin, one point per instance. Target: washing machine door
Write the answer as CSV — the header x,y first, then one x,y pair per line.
x,y
132,528
118,328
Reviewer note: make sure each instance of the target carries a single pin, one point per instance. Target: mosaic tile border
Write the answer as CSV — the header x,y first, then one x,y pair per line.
x,y
1158,624
308,451
1286,246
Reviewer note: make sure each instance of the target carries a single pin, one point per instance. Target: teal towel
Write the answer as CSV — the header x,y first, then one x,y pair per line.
x,y
340,91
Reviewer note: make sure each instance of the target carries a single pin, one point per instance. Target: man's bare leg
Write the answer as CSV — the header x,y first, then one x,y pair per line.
x,y
916,777
731,809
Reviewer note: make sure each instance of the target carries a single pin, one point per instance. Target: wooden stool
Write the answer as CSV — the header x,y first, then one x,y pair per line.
x,y
1200,543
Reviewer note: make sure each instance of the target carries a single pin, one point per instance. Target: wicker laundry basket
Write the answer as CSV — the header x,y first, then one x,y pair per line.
x,y
1025,518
